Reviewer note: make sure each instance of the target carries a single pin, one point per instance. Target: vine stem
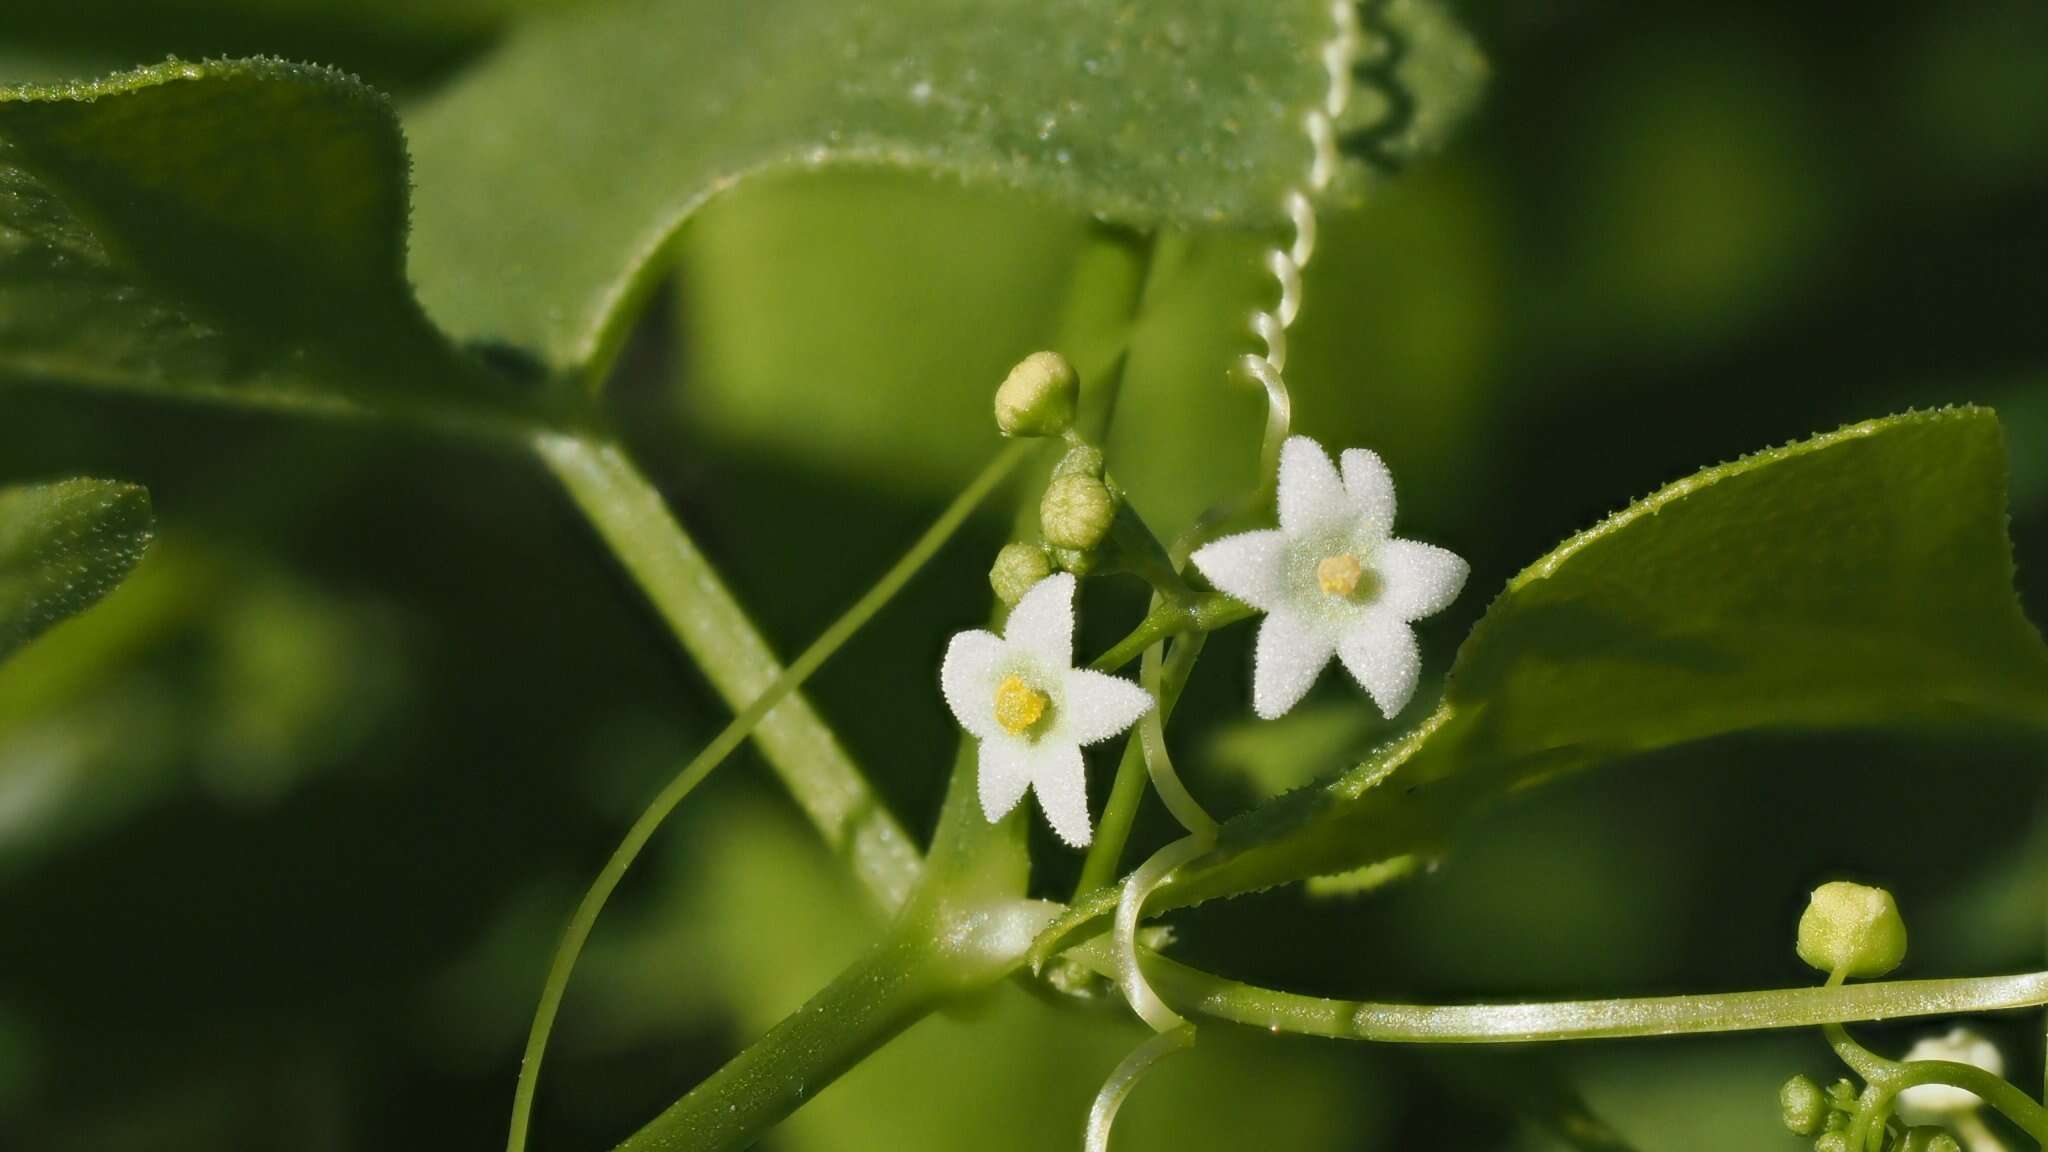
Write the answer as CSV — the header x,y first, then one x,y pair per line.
x,y
936,953
1128,790
1192,991
622,504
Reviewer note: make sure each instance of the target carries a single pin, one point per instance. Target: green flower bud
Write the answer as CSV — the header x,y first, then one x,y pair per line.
x,y
1803,1106
1076,512
1038,397
1852,928
1832,1142
1927,1138
1017,568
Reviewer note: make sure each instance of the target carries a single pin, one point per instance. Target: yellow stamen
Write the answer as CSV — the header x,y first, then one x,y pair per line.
x,y
1339,575
1019,705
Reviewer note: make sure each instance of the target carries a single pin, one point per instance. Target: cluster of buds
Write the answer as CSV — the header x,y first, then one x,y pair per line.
x,y
1855,931
1040,398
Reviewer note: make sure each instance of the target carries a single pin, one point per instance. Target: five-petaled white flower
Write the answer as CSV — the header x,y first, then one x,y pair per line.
x,y
1332,580
1022,697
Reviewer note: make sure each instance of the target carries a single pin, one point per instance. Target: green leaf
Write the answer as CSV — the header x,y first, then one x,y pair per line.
x,y
393,41
552,175
62,547
1419,76
224,229
1858,580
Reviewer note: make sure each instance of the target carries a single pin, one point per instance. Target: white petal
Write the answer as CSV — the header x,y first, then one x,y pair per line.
x,y
1097,706
1311,495
1005,772
968,678
1371,488
1042,623
1935,1103
1380,654
1060,778
1290,655
1251,566
1418,579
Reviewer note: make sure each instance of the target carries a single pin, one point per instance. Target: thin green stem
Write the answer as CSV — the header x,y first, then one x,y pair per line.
x,y
1127,793
1152,737
1859,1059
1119,814
1168,619
629,513
2010,1102
890,874
1193,992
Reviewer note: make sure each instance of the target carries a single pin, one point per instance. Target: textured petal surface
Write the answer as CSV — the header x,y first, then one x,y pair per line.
x,y
1311,494
1380,654
1097,706
968,678
1005,772
1060,778
1371,488
1251,566
1291,653
1419,579
1042,623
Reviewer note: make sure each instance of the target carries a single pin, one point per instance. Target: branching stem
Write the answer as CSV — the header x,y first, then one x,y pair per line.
x,y
622,505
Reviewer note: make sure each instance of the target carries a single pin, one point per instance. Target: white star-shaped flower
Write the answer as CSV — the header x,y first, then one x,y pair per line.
x,y
1032,710
1332,580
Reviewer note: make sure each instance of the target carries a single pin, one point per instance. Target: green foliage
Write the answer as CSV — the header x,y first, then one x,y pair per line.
x,y
1861,579
62,547
1418,77
552,175
237,231
214,229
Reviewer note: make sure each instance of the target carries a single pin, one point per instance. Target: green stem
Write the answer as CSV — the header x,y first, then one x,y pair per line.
x,y
630,515
1194,992
936,953
862,1009
1127,793
1119,813
1168,619
883,858
2010,1102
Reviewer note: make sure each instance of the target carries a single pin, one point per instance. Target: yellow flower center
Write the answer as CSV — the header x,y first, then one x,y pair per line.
x,y
1339,575
1019,705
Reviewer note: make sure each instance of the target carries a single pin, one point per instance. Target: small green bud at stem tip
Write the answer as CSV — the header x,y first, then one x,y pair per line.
x,y
1038,397
1076,512
1017,567
1803,1106
1853,929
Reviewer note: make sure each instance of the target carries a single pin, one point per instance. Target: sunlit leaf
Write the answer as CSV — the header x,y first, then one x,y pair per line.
x,y
62,547
1858,580
395,41
552,175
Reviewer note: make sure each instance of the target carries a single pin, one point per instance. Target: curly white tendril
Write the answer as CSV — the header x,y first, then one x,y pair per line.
x,y
1286,264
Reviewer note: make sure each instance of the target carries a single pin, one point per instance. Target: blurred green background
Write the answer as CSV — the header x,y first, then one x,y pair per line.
x,y
289,824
